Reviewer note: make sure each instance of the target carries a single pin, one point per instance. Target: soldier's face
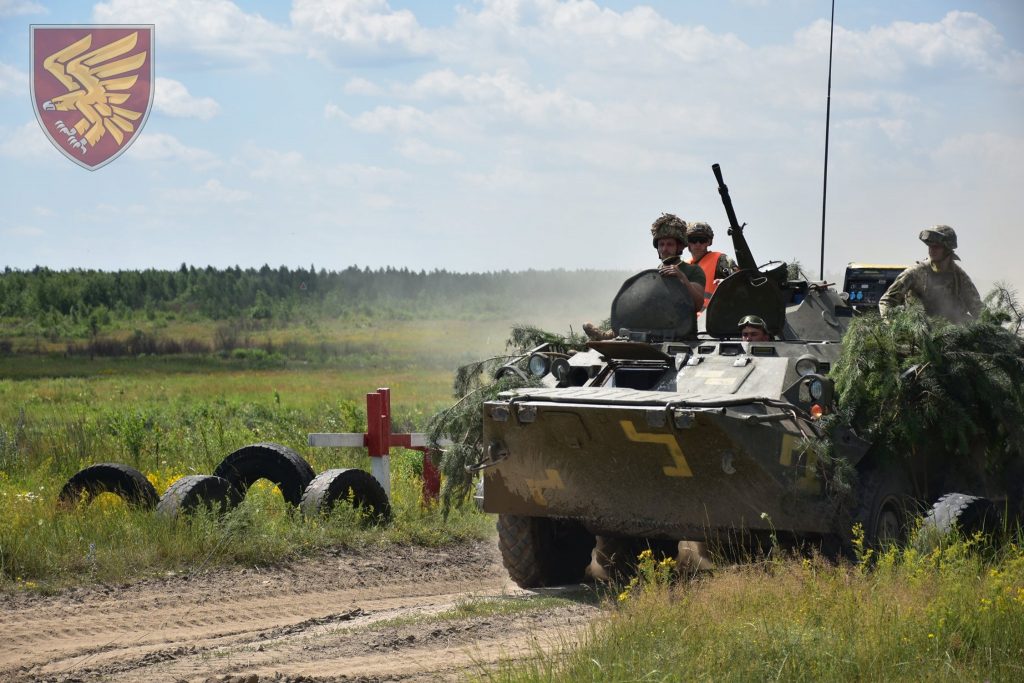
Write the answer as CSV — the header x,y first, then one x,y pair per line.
x,y
752,333
698,246
668,246
937,252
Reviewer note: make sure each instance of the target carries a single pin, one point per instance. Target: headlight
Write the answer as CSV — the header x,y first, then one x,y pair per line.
x,y
817,389
806,365
538,365
560,369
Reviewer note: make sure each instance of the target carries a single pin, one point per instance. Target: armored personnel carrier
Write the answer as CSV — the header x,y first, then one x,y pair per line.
x,y
677,430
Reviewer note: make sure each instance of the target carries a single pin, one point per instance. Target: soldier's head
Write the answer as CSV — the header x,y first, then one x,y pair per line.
x,y
698,239
753,328
941,241
668,235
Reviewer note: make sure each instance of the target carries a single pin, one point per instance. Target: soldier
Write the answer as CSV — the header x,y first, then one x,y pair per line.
x,y
753,328
668,235
669,238
715,264
942,287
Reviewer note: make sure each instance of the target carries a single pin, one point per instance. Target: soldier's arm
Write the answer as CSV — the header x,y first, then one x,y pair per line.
x,y
972,300
696,282
896,295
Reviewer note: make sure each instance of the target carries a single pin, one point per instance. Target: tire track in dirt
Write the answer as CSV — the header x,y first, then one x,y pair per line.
x,y
363,613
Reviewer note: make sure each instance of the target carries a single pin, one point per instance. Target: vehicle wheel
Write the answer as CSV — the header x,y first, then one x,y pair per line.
x,y
198,490
271,461
540,551
337,485
969,514
109,477
884,509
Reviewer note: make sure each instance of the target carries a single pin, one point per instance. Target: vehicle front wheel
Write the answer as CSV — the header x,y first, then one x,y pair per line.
x,y
540,551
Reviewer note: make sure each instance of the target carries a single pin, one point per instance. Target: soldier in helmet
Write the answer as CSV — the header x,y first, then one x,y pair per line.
x,y
715,264
942,286
668,233
753,328
669,238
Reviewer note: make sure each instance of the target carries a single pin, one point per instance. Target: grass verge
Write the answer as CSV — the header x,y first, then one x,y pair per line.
x,y
956,613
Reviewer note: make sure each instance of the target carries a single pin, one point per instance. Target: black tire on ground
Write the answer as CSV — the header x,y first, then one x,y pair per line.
x,y
271,461
109,477
540,551
198,490
885,508
969,514
335,485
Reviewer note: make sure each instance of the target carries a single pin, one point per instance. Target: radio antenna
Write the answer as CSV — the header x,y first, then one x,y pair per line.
x,y
828,116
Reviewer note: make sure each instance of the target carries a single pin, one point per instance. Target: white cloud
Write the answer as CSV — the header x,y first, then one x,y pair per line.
x,y
362,27
214,27
425,153
989,155
403,119
26,142
361,86
165,147
960,40
12,8
212,191
24,231
173,98
12,81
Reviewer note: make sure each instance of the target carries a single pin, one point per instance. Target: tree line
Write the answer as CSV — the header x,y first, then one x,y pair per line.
x,y
282,293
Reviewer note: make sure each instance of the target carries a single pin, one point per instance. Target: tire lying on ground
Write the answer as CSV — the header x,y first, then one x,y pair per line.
x,y
969,514
109,477
198,491
272,461
360,487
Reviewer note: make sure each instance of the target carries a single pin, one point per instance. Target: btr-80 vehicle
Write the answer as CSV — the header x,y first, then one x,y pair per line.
x,y
680,431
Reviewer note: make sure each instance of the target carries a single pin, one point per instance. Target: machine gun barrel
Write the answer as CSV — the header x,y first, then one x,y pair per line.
x,y
744,257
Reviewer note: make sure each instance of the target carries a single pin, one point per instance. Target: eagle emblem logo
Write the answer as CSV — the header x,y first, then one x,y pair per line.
x,y
92,88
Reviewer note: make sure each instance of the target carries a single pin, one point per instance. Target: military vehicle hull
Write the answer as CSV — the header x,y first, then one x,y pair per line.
x,y
624,464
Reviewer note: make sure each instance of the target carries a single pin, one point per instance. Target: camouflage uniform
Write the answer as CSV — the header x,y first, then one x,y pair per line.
x,y
949,293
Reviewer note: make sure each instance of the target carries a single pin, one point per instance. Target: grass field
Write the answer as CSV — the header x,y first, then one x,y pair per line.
x,y
953,614
174,415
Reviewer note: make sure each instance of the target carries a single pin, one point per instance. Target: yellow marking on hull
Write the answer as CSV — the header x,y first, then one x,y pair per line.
x,y
537,486
788,444
681,469
810,482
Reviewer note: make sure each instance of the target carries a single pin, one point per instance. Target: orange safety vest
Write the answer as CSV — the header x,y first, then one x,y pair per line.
x,y
709,264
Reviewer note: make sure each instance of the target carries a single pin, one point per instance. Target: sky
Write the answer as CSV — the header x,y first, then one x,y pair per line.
x,y
488,135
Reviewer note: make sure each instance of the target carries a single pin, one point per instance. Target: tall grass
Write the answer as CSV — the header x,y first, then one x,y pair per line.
x,y
956,613
44,547
170,417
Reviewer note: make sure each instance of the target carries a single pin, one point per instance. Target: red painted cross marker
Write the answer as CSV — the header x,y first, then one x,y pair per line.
x,y
378,440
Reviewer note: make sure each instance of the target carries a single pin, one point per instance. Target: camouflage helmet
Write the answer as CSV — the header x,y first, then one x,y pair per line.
x,y
700,229
939,234
752,321
668,225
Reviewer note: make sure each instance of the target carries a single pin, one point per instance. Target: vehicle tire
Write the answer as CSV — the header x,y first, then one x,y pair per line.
x,y
969,514
540,551
198,490
110,477
334,485
885,508
271,461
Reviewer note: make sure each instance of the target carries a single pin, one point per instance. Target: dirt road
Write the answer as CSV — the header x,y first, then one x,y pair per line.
x,y
366,615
